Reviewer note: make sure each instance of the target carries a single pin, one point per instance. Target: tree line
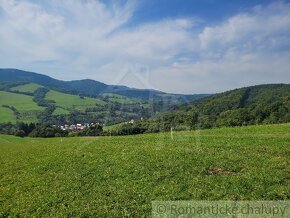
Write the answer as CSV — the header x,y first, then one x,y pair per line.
x,y
46,131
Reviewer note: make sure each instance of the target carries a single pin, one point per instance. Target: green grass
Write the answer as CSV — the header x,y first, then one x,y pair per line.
x,y
115,98
24,104
19,101
30,87
120,176
60,111
6,115
29,116
112,127
67,101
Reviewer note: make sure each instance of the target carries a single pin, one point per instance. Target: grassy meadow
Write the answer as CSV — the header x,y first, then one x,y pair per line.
x,y
30,87
118,98
67,101
19,101
24,104
59,111
28,109
7,115
120,176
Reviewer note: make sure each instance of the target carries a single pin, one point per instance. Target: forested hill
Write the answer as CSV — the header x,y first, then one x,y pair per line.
x,y
262,104
86,87
80,87
251,105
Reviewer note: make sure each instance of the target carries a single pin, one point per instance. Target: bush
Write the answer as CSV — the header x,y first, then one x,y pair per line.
x,y
47,131
96,130
20,133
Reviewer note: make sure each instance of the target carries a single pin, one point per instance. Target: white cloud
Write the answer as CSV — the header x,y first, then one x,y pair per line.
x,y
246,49
251,30
233,71
89,39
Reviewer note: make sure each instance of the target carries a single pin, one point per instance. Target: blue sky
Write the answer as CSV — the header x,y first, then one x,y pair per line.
x,y
209,10
178,46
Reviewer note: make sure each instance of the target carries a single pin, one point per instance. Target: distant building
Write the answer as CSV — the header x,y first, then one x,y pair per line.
x,y
77,127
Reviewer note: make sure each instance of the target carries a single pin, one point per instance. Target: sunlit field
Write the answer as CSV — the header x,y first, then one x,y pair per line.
x,y
120,176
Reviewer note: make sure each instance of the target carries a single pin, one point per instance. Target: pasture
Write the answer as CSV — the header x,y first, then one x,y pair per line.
x,y
120,176
7,115
68,101
115,98
19,101
24,104
30,87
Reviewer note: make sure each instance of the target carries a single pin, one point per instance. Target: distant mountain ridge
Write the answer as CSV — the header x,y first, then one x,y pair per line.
x,y
85,87
33,97
44,99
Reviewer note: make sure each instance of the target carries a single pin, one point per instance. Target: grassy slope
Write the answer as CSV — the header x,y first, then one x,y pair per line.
x,y
111,127
68,101
6,115
24,104
119,176
260,104
30,87
19,101
59,111
119,98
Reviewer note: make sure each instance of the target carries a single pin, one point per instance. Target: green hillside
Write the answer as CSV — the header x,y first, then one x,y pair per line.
x,y
86,87
38,98
84,101
19,101
30,88
35,103
121,176
6,115
115,98
21,107
67,101
263,104
60,111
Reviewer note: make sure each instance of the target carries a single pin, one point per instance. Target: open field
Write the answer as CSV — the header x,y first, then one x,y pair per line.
x,y
19,101
59,111
24,104
112,127
68,101
30,87
6,115
119,98
120,176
